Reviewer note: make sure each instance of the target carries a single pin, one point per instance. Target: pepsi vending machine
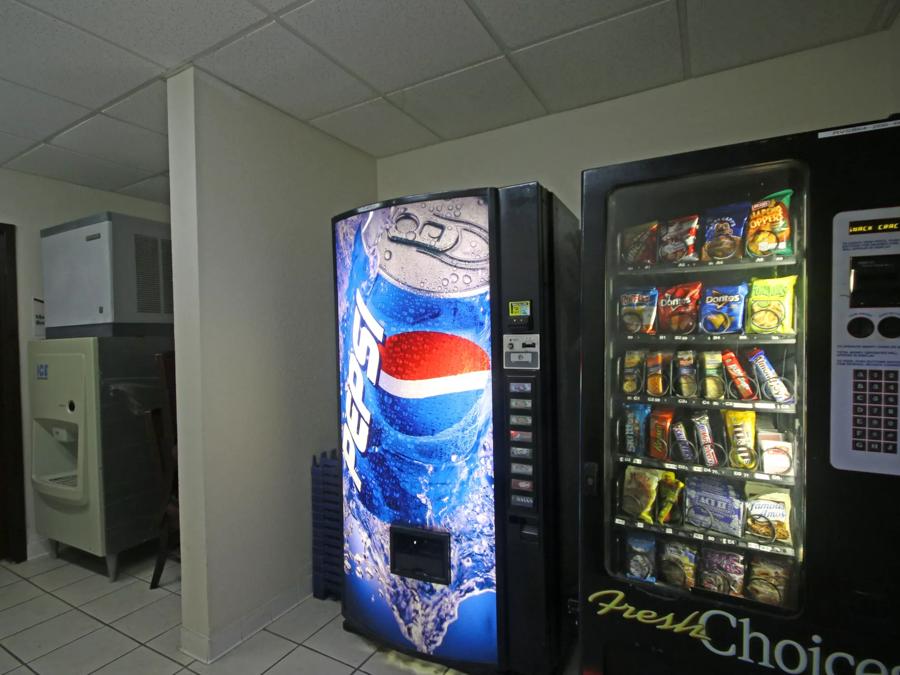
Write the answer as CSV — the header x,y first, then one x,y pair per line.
x,y
458,345
740,409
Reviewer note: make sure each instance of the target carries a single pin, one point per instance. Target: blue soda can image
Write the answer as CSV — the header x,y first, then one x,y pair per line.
x,y
416,415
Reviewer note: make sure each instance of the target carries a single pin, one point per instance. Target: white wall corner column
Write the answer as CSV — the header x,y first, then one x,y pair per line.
x,y
252,195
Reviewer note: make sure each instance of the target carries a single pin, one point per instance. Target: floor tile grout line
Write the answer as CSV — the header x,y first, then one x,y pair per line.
x,y
90,632
134,611
78,607
333,658
102,623
19,604
290,651
16,658
131,651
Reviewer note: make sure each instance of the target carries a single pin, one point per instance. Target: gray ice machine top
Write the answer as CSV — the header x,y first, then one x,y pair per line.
x,y
107,274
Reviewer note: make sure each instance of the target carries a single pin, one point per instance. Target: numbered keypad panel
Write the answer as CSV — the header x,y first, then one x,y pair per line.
x,y
875,404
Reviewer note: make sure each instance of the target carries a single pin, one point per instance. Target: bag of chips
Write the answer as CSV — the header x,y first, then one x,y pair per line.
x,y
723,229
678,564
713,376
639,493
637,310
686,384
640,557
636,415
633,371
770,307
638,244
722,572
768,512
769,226
660,423
706,443
669,489
711,503
722,309
768,580
678,241
659,367
740,428
770,384
678,308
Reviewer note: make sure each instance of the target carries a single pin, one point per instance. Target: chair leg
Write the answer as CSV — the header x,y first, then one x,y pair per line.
x,y
162,554
112,566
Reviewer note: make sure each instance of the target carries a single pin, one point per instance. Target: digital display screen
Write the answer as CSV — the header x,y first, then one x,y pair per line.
x,y
414,334
875,281
520,308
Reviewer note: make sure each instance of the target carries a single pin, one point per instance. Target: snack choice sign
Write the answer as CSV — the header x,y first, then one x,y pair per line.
x,y
743,643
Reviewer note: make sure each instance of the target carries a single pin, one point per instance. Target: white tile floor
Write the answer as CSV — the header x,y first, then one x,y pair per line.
x,y
63,617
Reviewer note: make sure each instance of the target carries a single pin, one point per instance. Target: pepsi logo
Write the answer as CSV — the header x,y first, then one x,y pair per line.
x,y
429,381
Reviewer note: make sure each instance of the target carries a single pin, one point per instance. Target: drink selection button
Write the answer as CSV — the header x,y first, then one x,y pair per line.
x,y
520,387
522,501
520,403
521,469
521,436
523,485
518,452
520,420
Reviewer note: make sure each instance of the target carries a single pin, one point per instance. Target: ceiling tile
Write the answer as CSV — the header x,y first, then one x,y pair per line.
x,y
156,189
53,162
166,32
30,113
275,65
479,98
728,33
395,43
276,5
145,107
637,51
522,22
118,142
43,53
10,146
376,127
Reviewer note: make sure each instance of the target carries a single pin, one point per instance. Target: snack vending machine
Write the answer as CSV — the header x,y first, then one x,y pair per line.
x,y
740,393
457,323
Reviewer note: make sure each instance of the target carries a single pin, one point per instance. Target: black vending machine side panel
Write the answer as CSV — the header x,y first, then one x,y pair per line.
x,y
844,617
530,453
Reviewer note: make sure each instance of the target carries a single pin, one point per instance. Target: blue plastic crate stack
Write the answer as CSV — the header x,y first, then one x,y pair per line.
x,y
327,526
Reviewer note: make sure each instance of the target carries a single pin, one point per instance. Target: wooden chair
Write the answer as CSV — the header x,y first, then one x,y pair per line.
x,y
162,429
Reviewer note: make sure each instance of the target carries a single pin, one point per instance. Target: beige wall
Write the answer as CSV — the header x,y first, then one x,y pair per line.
x,y
32,203
844,82
255,345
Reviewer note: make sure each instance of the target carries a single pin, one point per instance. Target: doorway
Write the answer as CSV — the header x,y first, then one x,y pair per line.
x,y
13,544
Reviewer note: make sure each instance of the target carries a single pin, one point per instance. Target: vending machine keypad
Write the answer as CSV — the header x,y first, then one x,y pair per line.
x,y
865,357
875,410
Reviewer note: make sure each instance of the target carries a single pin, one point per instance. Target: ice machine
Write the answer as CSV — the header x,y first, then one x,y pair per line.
x,y
94,471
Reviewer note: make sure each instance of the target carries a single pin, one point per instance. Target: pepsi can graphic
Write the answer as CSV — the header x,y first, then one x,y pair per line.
x,y
414,333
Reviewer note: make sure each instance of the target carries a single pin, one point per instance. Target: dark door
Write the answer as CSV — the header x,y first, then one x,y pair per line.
x,y
12,486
